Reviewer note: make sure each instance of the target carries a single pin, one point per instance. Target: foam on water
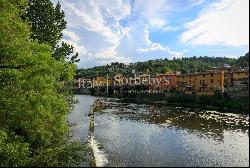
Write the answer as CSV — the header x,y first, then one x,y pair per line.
x,y
100,156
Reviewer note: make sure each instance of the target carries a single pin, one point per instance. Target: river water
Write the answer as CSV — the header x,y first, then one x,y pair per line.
x,y
129,134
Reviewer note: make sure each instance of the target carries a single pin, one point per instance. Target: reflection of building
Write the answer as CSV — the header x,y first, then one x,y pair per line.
x,y
201,83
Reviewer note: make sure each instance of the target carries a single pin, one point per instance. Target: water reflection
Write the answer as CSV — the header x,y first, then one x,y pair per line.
x,y
152,135
211,124
79,119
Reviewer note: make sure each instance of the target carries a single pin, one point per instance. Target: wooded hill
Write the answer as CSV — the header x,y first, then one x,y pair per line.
x,y
184,65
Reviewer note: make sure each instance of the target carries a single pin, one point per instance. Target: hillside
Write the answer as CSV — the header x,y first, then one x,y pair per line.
x,y
185,65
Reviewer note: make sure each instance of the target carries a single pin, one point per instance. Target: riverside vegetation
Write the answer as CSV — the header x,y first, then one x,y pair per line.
x,y
220,102
36,74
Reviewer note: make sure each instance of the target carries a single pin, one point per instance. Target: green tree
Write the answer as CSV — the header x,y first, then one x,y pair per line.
x,y
47,21
65,52
243,61
33,107
47,24
185,65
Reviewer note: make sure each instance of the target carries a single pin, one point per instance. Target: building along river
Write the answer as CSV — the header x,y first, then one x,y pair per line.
x,y
127,134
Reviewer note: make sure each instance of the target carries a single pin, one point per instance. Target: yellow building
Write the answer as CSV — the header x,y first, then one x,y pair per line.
x,y
241,80
201,83
119,80
186,83
240,75
144,79
102,81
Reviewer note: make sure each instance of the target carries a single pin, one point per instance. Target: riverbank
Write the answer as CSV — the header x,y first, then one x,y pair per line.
x,y
219,102
89,159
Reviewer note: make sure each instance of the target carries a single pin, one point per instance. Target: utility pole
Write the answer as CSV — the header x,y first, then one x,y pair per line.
x,y
109,69
107,84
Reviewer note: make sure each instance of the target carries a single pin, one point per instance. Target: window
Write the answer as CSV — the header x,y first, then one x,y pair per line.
x,y
212,76
190,82
204,75
212,81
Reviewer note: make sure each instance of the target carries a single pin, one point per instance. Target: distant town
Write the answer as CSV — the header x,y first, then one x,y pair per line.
x,y
234,81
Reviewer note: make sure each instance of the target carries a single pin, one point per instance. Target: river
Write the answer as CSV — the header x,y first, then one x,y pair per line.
x,y
129,134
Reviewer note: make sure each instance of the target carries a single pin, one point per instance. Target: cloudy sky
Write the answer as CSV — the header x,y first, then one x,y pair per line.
x,y
105,31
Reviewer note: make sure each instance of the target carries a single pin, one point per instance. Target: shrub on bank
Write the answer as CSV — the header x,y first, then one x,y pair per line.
x,y
219,101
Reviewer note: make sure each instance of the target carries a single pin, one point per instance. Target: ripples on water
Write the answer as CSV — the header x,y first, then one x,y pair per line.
x,y
154,135
204,123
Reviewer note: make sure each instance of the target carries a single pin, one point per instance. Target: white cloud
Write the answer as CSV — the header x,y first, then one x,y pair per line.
x,y
225,22
71,35
136,43
91,17
117,8
159,50
171,28
94,29
77,48
153,12
195,3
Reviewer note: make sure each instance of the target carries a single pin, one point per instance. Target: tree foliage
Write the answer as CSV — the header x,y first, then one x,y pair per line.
x,y
47,23
184,65
65,52
243,61
34,96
